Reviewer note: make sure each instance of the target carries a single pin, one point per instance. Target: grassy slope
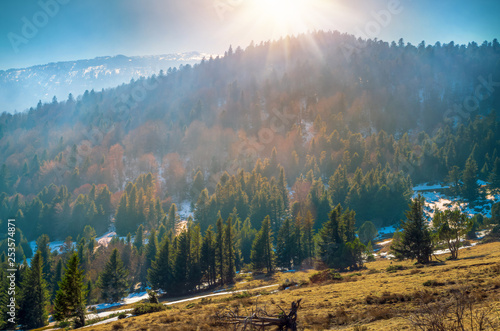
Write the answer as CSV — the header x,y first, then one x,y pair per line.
x,y
344,305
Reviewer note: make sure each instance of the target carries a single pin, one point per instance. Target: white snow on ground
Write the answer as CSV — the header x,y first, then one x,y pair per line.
x,y
386,230
135,297
383,243
445,251
385,255
57,246
131,298
482,182
427,186
184,210
435,199
105,239
33,246
308,132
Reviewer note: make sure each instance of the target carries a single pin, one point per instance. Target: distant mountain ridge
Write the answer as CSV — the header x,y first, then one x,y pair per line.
x,y
22,88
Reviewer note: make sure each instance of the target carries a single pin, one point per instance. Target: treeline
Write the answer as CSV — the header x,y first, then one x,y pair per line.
x,y
56,212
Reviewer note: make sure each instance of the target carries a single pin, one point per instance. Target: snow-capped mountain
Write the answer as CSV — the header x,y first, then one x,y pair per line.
x,y
21,89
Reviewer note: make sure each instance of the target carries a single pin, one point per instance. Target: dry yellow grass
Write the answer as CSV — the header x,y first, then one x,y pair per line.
x,y
373,299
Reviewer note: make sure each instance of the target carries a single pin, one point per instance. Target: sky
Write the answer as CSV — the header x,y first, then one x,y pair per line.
x,y
36,32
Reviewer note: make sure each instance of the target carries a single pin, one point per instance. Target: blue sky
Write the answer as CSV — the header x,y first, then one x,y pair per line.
x,y
81,29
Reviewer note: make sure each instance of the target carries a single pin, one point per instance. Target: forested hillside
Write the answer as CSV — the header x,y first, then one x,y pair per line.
x,y
296,125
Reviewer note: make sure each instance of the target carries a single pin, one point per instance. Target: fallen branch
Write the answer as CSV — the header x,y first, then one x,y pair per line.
x,y
260,319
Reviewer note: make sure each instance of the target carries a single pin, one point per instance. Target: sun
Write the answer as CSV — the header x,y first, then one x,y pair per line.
x,y
285,17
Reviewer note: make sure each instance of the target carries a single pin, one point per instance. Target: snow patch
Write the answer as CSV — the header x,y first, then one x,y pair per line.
x,y
427,186
386,230
184,210
436,199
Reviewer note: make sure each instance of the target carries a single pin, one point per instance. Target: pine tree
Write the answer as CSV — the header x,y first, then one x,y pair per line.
x,y
338,245
181,263
415,241
35,297
330,239
90,291
195,263
367,232
470,187
284,245
208,260
56,278
172,218
229,252
494,176
202,210
282,185
139,239
113,279
338,186
70,299
454,179
247,236
262,248
122,216
308,236
150,250
298,240
162,231
219,244
198,185
160,274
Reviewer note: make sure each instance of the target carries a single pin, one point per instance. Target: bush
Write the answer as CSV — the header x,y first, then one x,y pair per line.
x,y
394,268
387,298
370,258
325,275
433,283
152,296
146,308
241,295
63,324
493,236
118,326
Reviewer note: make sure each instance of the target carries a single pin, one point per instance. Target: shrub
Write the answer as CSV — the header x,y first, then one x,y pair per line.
x,y
118,326
387,298
241,295
146,308
433,283
394,268
325,275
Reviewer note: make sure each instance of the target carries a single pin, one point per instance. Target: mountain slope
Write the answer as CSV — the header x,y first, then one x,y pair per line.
x,y
23,88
